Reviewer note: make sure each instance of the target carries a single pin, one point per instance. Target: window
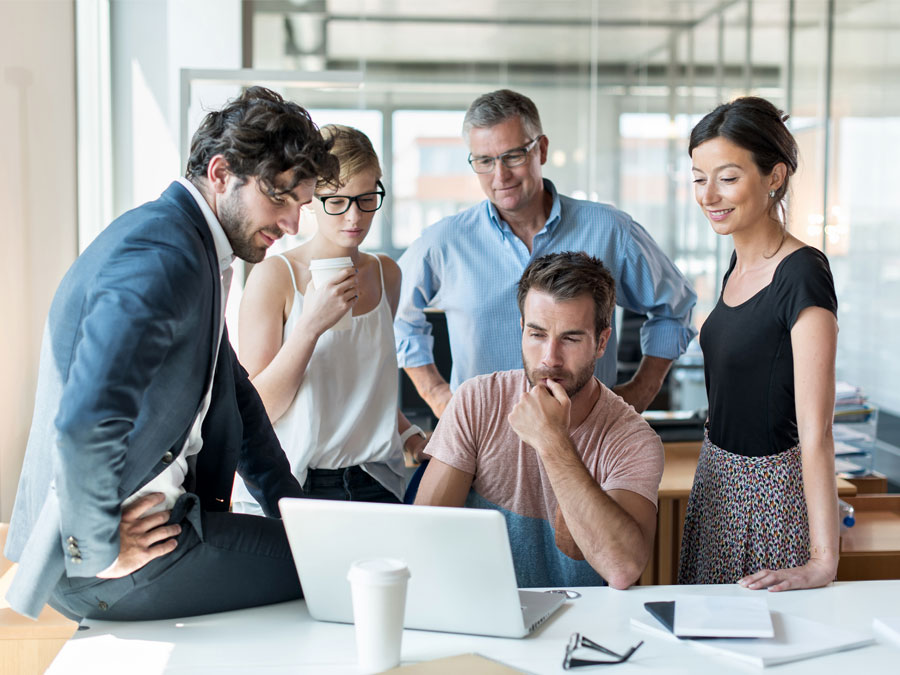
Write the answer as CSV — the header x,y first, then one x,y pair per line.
x,y
431,177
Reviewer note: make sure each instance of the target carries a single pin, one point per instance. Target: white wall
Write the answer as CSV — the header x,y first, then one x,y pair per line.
x,y
38,194
151,41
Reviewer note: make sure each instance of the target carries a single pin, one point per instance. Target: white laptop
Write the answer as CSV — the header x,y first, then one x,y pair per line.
x,y
462,576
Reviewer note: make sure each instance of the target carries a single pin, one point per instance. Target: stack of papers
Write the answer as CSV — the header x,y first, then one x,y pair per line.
x,y
850,404
853,429
847,394
793,638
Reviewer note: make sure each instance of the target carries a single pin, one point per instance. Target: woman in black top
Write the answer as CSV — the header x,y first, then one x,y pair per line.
x,y
763,509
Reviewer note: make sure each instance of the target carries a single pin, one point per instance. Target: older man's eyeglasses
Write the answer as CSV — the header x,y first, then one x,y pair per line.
x,y
510,158
335,205
578,640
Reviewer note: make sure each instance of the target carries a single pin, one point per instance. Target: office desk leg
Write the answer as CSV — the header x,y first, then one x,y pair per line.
x,y
665,530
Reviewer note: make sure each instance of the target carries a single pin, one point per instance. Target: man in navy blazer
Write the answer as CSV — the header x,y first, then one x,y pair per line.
x,y
143,412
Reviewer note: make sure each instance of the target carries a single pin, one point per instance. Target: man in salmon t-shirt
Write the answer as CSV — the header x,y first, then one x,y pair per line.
x,y
573,468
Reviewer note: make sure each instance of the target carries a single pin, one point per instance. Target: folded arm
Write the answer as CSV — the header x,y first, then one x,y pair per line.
x,y
614,530
619,548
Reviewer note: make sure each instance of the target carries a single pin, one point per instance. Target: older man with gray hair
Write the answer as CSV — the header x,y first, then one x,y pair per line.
x,y
468,264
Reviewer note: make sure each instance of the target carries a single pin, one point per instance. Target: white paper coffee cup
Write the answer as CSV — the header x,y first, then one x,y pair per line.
x,y
378,588
324,270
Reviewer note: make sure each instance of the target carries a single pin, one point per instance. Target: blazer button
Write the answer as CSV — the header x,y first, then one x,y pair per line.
x,y
102,606
167,458
73,550
71,540
76,559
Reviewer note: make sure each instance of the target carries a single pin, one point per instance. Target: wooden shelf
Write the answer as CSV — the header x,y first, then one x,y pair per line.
x,y
871,548
877,527
871,484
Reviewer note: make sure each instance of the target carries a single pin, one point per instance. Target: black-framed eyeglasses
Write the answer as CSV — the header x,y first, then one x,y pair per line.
x,y
510,158
335,205
578,640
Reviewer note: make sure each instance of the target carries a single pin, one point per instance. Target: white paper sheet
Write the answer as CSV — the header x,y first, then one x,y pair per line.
x,y
730,616
795,639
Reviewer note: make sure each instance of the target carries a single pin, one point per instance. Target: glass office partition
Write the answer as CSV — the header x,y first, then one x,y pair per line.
x,y
861,217
431,176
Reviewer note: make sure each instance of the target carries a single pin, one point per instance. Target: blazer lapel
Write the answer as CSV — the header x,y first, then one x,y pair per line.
x,y
185,201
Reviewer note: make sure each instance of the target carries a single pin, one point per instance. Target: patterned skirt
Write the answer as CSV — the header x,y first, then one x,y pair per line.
x,y
744,514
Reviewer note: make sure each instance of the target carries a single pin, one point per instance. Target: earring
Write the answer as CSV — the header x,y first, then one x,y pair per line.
x,y
771,194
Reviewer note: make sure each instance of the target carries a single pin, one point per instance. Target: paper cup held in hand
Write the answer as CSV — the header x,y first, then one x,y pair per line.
x,y
378,587
324,270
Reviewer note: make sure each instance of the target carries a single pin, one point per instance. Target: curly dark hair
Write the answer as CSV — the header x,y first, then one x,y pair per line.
x,y
261,134
568,275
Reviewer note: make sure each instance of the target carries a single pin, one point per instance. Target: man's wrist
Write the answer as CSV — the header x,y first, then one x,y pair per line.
x,y
438,397
636,393
437,391
553,441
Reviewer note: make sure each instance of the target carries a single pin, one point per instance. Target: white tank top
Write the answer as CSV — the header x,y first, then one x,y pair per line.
x,y
345,410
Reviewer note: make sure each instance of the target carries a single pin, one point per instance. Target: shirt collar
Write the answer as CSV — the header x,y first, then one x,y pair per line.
x,y
552,219
224,252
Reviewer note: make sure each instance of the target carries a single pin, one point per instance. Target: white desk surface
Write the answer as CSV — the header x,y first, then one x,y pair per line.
x,y
283,639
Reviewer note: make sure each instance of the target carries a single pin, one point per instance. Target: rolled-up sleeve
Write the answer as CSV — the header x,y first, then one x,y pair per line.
x,y
412,332
651,284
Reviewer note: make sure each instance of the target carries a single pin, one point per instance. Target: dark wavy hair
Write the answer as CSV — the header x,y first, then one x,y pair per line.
x,y
568,275
756,125
261,134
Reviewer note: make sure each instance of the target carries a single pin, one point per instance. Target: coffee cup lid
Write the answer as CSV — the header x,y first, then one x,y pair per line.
x,y
330,263
378,571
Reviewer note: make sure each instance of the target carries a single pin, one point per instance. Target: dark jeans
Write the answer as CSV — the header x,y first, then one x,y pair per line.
x,y
350,484
223,561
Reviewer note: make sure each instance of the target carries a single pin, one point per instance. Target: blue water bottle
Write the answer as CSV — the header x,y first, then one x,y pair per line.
x,y
846,516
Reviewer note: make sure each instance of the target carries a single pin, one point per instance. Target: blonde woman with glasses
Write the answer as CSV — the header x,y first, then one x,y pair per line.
x,y
332,394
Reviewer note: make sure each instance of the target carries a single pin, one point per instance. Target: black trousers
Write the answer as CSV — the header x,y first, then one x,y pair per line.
x,y
223,561
349,484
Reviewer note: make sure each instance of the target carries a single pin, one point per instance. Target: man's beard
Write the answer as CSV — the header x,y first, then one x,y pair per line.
x,y
239,230
572,382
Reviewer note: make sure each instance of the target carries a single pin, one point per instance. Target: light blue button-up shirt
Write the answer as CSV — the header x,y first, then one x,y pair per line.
x,y
469,264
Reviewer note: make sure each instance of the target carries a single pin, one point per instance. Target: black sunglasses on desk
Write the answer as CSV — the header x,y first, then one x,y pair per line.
x,y
578,640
